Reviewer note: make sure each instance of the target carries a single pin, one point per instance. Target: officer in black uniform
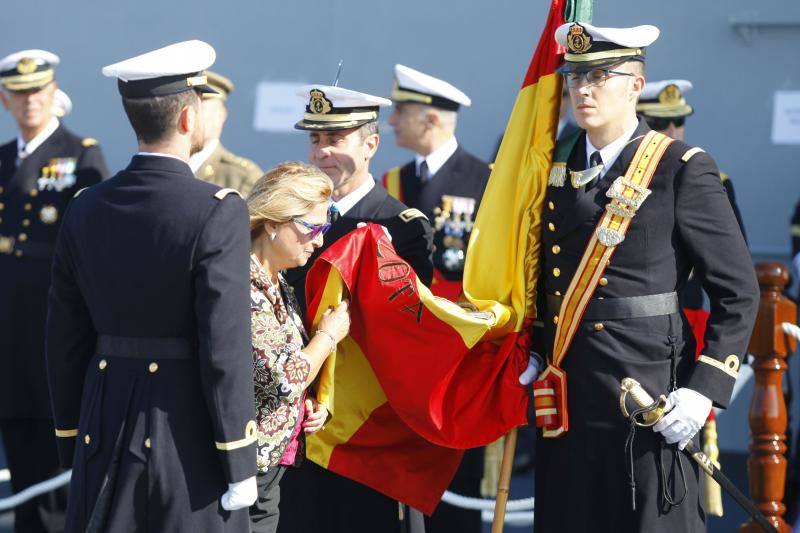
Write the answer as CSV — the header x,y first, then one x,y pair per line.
x,y
148,332
632,325
343,135
39,172
445,182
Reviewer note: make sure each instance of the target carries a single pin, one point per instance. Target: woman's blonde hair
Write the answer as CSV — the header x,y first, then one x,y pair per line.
x,y
288,190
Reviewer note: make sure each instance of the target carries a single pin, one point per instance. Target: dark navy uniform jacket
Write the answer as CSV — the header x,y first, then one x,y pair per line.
x,y
149,352
687,222
33,197
462,175
411,233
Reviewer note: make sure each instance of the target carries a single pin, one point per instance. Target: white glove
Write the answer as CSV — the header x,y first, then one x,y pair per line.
x,y
531,372
240,495
384,228
687,411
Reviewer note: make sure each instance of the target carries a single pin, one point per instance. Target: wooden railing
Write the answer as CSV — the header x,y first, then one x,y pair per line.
x,y
770,346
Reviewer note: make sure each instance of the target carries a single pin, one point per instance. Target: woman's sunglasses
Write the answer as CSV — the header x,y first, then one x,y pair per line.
x,y
314,229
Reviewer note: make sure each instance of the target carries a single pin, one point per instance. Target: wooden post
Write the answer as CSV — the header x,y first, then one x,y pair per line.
x,y
766,466
504,483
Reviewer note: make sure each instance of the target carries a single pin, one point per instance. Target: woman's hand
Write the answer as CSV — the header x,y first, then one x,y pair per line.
x,y
336,322
316,415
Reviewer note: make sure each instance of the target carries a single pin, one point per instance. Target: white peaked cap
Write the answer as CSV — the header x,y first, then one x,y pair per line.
x,y
331,108
414,86
179,58
41,57
637,36
652,89
590,47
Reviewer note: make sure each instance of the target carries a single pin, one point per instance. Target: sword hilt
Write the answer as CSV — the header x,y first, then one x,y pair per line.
x,y
631,387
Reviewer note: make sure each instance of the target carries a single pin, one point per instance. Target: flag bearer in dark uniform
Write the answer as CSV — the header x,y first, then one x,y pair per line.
x,y
342,127
608,318
39,173
445,182
215,163
148,332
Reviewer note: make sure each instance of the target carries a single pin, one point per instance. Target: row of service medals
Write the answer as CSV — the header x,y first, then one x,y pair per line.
x,y
454,219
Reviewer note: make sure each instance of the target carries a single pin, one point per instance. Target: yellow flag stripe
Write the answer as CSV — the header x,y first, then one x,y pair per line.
x,y
503,255
352,407
332,295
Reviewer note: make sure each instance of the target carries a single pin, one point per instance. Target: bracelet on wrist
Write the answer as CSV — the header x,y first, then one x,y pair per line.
x,y
330,338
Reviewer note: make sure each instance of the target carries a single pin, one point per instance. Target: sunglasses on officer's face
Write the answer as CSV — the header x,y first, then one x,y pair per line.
x,y
660,123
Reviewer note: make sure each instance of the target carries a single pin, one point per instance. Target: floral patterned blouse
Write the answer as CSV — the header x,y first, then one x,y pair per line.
x,y
281,370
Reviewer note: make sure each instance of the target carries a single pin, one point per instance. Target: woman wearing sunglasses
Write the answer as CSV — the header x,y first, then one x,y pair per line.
x,y
289,215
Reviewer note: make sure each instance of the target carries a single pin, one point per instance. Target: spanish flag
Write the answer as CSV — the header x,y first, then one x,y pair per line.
x,y
421,378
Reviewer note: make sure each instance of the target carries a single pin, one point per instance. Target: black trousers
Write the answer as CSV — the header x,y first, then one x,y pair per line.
x,y
264,513
316,500
30,447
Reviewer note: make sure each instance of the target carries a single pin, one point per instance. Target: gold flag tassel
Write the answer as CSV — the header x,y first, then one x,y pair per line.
x,y
713,492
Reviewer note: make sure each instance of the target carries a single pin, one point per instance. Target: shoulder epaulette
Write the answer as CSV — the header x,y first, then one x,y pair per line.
x,y
410,214
723,177
690,153
78,192
88,142
222,193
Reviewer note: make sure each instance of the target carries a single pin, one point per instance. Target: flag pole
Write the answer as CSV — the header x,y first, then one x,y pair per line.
x,y
504,483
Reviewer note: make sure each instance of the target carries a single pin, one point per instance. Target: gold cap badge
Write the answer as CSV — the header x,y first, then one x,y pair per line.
x,y
318,103
670,95
26,65
578,40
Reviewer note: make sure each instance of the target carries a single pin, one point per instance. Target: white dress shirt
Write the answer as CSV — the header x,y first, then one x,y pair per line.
x,y
346,203
438,157
25,149
196,160
611,151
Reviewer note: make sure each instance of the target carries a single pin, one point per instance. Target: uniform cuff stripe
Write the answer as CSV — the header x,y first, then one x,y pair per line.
x,y
249,438
730,366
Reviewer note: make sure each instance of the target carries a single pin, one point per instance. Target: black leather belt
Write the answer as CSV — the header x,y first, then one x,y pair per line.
x,y
621,308
145,347
13,246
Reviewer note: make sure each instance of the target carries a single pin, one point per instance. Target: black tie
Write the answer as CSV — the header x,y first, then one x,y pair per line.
x,y
334,214
594,160
423,172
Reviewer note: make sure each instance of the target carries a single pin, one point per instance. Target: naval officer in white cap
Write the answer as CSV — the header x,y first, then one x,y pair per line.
x,y
40,170
148,333
342,128
445,182
621,317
